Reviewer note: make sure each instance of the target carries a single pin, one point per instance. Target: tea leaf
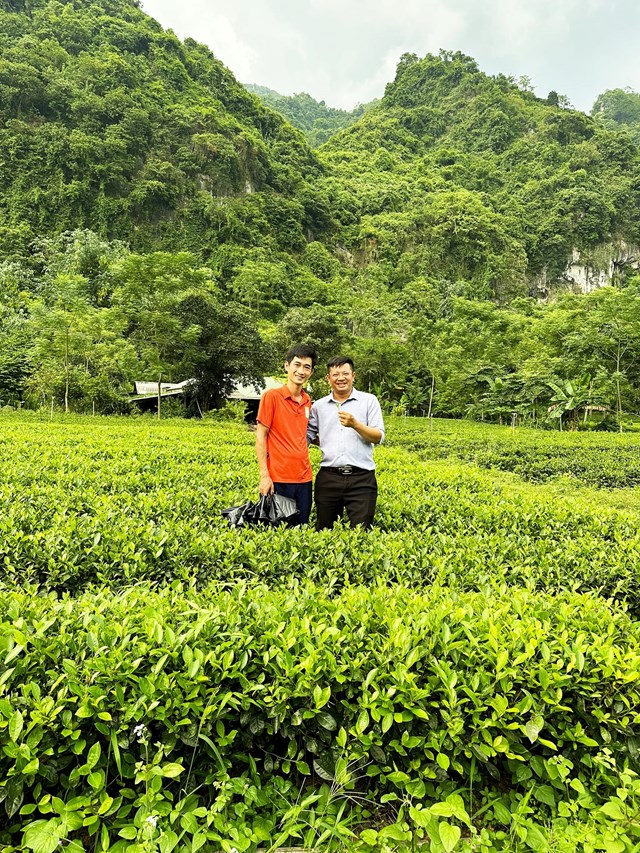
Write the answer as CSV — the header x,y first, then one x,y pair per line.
x,y
16,724
43,836
449,835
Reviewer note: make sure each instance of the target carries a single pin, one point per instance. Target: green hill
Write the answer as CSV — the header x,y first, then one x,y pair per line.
x,y
110,123
619,109
157,219
314,118
459,176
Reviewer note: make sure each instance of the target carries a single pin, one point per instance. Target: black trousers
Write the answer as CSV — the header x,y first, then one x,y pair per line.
x,y
356,493
301,493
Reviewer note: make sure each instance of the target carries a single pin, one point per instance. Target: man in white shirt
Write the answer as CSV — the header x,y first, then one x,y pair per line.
x,y
347,423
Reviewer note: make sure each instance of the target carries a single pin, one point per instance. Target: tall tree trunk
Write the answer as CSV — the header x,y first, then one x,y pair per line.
x,y
618,392
66,371
433,385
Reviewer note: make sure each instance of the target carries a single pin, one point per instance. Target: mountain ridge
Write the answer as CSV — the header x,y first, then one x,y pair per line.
x,y
425,237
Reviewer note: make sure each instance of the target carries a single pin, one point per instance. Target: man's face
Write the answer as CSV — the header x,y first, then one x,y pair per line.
x,y
299,370
341,379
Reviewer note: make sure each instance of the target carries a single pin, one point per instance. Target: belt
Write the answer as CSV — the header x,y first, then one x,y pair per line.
x,y
345,470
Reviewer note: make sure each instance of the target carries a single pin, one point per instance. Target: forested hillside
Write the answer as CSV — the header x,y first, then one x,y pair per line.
x,y
314,118
449,145
110,123
116,138
619,109
158,220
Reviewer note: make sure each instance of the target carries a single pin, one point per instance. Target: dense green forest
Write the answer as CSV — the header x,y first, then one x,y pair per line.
x,y
314,118
157,219
619,109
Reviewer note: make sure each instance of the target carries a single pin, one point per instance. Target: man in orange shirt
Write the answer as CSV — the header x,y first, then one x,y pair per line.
x,y
281,436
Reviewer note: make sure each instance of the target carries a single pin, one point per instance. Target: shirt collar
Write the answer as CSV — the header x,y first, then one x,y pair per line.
x,y
286,393
352,396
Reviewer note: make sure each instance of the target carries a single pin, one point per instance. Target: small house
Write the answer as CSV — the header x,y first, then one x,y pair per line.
x,y
250,395
145,394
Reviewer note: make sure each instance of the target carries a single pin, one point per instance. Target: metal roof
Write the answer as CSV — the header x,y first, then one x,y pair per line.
x,y
146,390
250,392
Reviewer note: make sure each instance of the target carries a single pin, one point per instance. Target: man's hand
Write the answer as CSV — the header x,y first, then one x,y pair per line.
x,y
347,419
266,485
371,434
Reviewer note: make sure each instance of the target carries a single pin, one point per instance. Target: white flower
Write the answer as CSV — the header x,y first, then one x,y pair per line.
x,y
140,732
152,821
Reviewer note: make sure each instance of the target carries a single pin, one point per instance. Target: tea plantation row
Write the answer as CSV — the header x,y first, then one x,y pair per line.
x,y
84,504
466,676
609,460
189,718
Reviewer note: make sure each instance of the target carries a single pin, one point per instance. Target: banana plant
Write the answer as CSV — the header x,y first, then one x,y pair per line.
x,y
569,397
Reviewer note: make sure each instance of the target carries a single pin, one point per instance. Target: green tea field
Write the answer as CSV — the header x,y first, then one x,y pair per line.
x,y
465,677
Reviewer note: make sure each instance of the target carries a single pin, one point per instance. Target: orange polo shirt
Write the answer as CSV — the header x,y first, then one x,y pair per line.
x,y
287,450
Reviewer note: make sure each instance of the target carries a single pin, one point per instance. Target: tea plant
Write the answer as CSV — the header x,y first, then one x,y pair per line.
x,y
598,459
465,677
244,694
82,503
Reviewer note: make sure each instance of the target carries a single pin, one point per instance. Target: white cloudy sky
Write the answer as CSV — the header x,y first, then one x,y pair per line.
x,y
345,51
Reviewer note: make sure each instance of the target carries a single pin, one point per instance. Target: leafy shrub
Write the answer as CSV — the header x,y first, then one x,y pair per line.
x,y
209,711
80,504
606,461
233,410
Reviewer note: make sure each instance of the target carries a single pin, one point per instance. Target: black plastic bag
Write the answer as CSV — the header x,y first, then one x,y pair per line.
x,y
270,510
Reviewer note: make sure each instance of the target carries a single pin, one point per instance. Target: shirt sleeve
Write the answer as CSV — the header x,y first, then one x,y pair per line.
x,y
266,409
312,425
374,416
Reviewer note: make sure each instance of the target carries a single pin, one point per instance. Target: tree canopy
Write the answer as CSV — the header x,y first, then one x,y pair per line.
x,y
158,219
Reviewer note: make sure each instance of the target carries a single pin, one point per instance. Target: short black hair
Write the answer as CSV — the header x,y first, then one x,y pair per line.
x,y
338,361
302,351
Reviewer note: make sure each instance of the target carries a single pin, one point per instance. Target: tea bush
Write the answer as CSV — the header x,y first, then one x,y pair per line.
x,y
598,459
82,503
464,675
176,713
